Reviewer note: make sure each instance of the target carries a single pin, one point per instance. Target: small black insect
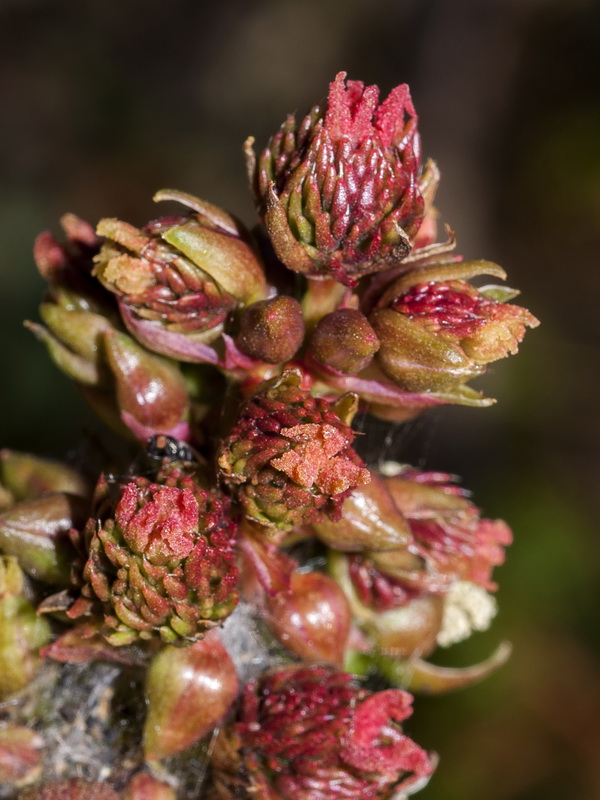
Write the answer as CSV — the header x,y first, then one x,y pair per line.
x,y
161,447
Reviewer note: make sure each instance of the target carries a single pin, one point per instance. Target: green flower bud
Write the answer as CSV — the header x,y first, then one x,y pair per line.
x,y
271,330
188,690
370,521
22,632
36,532
344,340
27,476
74,342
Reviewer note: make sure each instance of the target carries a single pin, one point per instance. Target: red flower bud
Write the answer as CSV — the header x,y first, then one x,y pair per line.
x,y
311,732
163,565
189,690
339,193
179,277
151,392
307,611
312,619
447,527
437,331
289,456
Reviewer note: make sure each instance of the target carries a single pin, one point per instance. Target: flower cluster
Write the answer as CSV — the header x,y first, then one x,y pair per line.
x,y
238,500
306,732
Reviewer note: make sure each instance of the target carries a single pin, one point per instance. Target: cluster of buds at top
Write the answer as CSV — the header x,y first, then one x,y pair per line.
x,y
235,489
339,192
343,196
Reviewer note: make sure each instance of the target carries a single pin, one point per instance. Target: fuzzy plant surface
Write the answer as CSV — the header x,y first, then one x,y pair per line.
x,y
235,605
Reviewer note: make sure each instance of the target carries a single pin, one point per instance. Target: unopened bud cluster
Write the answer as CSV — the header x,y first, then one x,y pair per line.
x,y
245,489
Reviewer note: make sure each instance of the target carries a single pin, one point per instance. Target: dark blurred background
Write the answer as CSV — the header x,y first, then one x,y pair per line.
x,y
102,103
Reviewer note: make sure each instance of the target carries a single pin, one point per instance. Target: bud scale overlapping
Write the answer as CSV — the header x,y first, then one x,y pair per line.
x,y
289,459
310,732
164,565
339,192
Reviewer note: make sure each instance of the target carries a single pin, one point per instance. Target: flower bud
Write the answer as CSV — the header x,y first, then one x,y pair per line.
x,y
67,263
399,620
339,193
178,278
344,340
437,331
22,632
150,390
189,690
307,732
144,787
36,532
20,755
120,379
312,619
70,789
370,521
76,309
161,564
307,611
73,339
416,359
289,458
27,476
448,530
272,330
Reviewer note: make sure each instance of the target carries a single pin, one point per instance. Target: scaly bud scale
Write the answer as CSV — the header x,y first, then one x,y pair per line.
x,y
290,457
311,732
340,192
164,565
